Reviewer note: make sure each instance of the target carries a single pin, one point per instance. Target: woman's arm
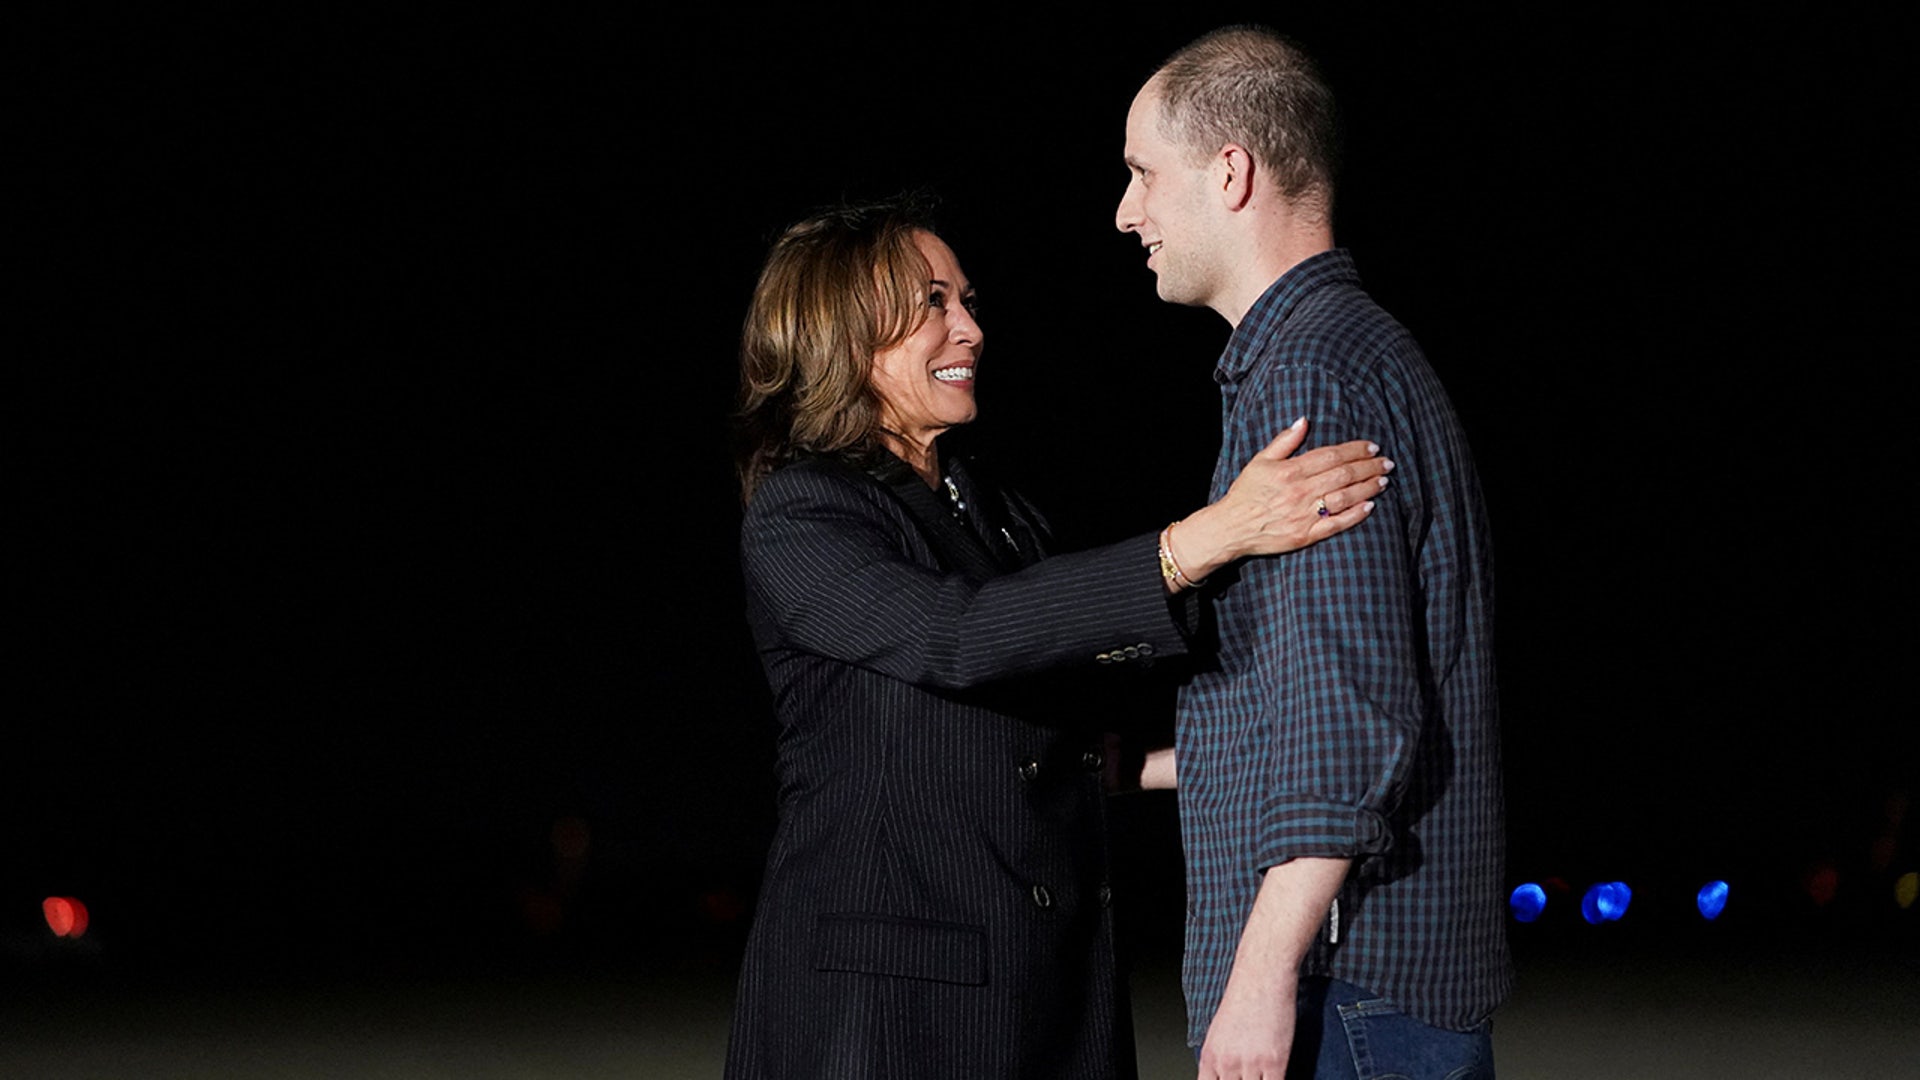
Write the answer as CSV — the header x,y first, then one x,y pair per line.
x,y
823,554
830,567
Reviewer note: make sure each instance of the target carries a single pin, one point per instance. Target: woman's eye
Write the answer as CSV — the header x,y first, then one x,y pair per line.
x,y
937,299
972,303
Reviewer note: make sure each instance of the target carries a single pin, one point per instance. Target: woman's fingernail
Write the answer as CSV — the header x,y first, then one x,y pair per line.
x,y
1383,481
1373,448
1297,423
1387,466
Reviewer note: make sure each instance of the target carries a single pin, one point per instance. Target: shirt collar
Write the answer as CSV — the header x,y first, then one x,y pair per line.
x,y
1277,304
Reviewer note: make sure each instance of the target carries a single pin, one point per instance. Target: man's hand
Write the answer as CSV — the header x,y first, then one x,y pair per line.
x,y
1160,771
1252,1033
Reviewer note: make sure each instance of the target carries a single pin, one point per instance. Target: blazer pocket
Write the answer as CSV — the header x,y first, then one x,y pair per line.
x,y
905,948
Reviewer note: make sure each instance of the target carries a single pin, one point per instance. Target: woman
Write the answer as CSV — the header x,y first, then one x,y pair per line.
x,y
934,903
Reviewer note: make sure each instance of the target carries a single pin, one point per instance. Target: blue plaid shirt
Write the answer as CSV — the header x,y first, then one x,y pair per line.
x,y
1352,710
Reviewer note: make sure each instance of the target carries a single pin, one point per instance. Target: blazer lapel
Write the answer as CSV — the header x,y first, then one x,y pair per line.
x,y
956,544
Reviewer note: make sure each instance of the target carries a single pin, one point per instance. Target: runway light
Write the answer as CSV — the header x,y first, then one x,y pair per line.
x,y
1712,899
1528,901
1905,890
1606,903
66,917
1823,884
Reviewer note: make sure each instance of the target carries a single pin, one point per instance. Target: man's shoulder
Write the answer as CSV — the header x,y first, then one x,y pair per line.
x,y
1339,328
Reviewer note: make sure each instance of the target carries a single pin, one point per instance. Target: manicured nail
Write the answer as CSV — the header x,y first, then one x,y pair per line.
x,y
1387,466
1297,423
1383,481
1367,507
1373,448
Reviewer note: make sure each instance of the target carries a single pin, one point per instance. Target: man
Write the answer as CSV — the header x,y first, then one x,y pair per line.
x,y
1339,779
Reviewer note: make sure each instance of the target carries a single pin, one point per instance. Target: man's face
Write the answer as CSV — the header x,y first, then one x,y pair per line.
x,y
1169,204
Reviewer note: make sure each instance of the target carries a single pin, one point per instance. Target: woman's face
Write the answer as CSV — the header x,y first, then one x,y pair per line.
x,y
925,382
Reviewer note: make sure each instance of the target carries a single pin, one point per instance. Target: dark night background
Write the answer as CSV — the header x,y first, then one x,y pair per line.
x,y
373,591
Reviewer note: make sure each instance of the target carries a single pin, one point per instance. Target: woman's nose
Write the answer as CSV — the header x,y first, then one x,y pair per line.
x,y
962,327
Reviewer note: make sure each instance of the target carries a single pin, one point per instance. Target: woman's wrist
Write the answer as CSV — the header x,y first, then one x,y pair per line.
x,y
1171,571
1195,545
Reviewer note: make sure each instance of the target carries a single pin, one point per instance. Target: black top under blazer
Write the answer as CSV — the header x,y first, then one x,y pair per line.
x,y
935,903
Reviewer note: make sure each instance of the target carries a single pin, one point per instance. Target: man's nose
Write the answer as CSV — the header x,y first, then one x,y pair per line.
x,y
1126,217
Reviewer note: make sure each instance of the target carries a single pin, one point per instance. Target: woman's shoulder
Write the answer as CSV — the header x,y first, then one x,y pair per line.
x,y
810,480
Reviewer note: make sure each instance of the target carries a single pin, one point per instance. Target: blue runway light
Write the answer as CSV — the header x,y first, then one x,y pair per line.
x,y
1606,903
1528,901
1712,900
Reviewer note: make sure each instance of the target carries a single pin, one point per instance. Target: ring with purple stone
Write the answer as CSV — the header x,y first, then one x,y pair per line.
x,y
1320,507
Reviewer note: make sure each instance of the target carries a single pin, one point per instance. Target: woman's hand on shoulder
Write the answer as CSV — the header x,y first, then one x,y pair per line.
x,y
1281,502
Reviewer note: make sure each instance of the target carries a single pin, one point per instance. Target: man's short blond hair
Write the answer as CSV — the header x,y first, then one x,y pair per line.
x,y
1250,86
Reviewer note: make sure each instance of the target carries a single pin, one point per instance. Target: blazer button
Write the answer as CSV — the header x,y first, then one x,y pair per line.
x,y
1042,899
1091,760
1029,770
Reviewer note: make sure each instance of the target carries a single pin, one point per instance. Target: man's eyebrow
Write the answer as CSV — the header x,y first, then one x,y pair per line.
x,y
1132,162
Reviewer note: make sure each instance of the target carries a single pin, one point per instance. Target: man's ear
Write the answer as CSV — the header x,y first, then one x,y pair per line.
x,y
1234,166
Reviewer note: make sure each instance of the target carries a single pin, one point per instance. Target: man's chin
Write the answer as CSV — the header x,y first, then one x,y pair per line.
x,y
1172,293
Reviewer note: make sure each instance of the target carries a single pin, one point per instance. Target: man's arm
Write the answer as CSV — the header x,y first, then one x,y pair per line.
x,y
1159,772
1338,652
1252,1033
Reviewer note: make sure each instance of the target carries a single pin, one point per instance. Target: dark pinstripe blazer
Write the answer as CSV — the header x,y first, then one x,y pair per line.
x,y
935,903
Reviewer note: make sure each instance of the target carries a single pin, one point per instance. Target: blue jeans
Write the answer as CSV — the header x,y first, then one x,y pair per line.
x,y
1346,1032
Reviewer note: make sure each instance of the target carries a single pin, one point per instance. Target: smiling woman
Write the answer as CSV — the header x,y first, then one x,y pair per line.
x,y
925,382
861,341
936,901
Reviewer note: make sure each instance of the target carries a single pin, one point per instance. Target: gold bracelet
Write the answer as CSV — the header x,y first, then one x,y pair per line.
x,y
1169,570
1170,567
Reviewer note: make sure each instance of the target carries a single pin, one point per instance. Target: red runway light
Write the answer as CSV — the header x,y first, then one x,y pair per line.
x,y
66,917
1823,884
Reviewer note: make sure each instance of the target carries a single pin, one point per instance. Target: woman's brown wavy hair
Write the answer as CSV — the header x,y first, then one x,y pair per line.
x,y
837,288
